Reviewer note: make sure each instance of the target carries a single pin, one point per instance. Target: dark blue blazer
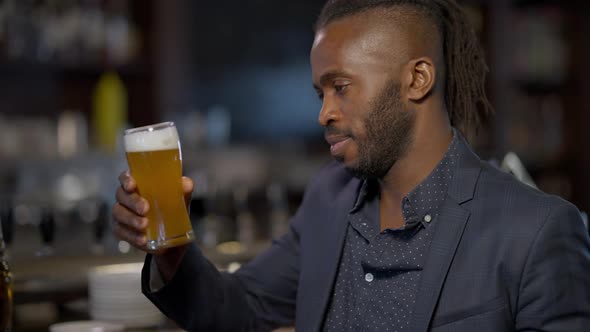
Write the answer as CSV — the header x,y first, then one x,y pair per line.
x,y
504,257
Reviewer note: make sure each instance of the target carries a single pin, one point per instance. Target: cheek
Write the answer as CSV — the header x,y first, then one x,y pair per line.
x,y
351,155
357,114
359,128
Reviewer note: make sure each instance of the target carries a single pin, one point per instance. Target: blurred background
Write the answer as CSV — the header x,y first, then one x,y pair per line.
x,y
235,78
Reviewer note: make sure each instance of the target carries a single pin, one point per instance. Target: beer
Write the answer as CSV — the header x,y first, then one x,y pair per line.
x,y
155,161
5,290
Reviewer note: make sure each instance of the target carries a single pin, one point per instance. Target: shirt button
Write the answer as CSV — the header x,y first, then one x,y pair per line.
x,y
369,277
428,218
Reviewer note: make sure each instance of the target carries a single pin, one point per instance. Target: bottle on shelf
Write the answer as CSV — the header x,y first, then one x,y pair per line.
x,y
109,111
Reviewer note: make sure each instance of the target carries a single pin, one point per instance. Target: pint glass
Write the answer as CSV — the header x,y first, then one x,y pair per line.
x,y
155,161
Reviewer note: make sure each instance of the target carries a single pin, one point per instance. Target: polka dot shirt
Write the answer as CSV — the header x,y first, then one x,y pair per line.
x,y
379,272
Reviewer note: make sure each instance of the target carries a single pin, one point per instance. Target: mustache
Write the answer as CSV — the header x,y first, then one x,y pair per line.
x,y
331,130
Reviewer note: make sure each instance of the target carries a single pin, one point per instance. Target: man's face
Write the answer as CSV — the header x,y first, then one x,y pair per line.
x,y
366,121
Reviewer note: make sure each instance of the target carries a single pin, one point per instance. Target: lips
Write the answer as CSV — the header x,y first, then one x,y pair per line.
x,y
337,143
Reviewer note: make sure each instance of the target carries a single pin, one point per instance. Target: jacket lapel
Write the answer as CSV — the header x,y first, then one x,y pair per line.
x,y
449,229
328,254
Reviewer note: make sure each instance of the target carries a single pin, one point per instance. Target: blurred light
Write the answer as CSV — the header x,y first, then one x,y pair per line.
x,y
88,211
71,134
71,188
27,215
233,267
124,247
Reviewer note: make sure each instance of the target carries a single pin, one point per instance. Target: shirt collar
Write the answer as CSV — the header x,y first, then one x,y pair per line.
x,y
370,187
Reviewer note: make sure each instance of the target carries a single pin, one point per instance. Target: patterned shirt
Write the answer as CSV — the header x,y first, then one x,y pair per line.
x,y
379,273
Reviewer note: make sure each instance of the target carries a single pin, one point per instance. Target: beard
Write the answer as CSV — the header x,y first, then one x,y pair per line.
x,y
388,134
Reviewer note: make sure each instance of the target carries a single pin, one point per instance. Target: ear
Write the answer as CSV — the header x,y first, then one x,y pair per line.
x,y
421,76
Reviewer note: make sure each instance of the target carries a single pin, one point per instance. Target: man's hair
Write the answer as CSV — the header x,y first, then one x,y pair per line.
x,y
465,96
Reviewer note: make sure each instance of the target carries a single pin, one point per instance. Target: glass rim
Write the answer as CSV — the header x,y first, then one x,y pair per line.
x,y
152,127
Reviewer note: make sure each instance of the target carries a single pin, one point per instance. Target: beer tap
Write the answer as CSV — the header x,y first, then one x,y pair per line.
x,y
47,228
279,210
244,218
7,220
100,226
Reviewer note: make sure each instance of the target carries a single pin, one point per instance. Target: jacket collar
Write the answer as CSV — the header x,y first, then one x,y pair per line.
x,y
453,218
469,163
466,175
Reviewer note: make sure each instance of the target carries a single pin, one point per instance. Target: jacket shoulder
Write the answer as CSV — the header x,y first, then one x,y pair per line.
x,y
513,198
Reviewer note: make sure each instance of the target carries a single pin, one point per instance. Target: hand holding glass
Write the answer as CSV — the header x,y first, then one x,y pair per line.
x,y
155,161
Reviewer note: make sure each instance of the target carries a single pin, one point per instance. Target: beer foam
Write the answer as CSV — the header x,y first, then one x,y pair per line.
x,y
161,139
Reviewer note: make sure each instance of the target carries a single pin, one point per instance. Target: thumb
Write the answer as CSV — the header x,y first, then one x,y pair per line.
x,y
187,189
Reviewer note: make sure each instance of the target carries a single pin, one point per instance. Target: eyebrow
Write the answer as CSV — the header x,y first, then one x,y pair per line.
x,y
327,77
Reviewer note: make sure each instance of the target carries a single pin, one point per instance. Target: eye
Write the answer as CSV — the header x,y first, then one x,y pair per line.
x,y
320,94
340,87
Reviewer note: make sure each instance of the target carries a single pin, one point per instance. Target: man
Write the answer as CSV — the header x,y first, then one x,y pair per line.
x,y
409,230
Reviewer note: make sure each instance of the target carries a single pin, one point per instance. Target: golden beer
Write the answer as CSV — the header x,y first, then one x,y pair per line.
x,y
155,161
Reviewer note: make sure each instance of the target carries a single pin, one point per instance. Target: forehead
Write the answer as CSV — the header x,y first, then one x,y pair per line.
x,y
369,38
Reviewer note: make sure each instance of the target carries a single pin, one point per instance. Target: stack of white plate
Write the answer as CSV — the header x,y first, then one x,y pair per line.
x,y
86,326
115,296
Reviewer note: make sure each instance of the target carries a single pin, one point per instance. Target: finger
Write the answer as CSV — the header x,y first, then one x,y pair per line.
x,y
132,201
136,239
187,188
127,181
123,215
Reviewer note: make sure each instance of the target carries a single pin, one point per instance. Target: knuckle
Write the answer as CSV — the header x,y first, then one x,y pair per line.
x,y
124,175
125,180
138,239
116,205
117,212
122,181
119,194
125,236
139,224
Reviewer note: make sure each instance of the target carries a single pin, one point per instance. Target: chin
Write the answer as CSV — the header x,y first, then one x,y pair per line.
x,y
357,173
353,167
346,160
368,171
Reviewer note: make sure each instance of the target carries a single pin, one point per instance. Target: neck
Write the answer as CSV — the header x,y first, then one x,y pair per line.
x,y
431,140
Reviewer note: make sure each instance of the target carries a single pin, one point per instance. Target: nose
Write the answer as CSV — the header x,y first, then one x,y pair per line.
x,y
329,113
